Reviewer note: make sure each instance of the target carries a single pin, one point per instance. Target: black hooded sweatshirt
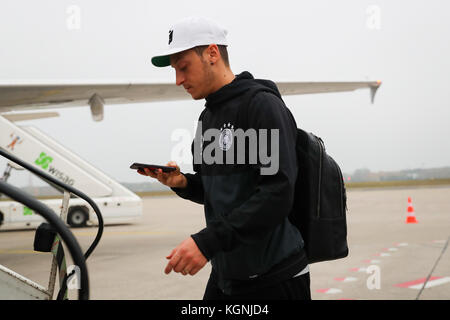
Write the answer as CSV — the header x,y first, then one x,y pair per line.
x,y
248,237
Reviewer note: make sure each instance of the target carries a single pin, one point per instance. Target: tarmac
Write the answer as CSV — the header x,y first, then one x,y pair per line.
x,y
388,258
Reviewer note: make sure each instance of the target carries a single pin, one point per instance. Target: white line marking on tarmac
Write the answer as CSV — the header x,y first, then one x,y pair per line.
x,y
383,254
346,279
418,284
369,261
432,283
402,244
390,249
363,269
329,291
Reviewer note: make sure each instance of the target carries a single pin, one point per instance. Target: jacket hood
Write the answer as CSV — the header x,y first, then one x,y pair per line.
x,y
241,83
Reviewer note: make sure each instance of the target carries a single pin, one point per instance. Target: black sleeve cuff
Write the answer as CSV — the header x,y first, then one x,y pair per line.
x,y
185,193
207,242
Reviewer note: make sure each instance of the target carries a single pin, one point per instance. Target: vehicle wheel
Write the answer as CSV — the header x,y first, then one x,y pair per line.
x,y
77,217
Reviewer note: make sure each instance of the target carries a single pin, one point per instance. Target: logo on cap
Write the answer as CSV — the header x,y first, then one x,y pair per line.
x,y
170,36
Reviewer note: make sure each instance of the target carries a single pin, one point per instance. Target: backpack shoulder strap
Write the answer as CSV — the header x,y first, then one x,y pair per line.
x,y
245,104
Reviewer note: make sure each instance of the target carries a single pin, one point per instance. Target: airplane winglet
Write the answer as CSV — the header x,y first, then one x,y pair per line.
x,y
373,91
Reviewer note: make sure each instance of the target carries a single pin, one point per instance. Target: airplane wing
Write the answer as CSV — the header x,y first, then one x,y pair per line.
x,y
293,88
17,97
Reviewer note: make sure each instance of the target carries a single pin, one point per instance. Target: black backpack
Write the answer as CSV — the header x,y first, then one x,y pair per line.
x,y
320,204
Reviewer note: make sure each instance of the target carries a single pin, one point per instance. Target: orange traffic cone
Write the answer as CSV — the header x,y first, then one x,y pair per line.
x,y
411,218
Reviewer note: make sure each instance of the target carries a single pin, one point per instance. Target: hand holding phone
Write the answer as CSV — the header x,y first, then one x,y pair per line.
x,y
168,175
153,167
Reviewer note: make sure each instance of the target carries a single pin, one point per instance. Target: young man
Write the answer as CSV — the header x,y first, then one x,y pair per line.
x,y
255,252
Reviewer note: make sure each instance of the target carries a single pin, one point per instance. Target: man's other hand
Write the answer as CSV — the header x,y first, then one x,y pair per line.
x,y
186,258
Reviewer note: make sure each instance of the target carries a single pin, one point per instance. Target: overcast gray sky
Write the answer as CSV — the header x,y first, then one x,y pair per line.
x,y
406,44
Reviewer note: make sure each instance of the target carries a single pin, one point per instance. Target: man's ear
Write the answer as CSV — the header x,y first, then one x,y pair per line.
x,y
212,54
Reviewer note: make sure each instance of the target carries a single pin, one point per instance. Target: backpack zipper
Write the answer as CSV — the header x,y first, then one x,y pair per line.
x,y
342,187
319,141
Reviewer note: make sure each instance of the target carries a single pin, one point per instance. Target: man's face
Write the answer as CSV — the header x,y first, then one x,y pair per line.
x,y
193,73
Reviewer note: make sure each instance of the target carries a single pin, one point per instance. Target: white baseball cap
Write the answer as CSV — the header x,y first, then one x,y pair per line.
x,y
189,33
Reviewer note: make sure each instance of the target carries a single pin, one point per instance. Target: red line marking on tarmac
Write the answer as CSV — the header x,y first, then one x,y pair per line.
x,y
371,261
414,282
432,283
401,244
346,279
358,269
329,290
390,249
382,254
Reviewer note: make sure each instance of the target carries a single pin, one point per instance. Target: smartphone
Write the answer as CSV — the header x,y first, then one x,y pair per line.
x,y
153,167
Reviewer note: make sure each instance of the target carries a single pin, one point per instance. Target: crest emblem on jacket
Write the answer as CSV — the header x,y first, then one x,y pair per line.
x,y
226,137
